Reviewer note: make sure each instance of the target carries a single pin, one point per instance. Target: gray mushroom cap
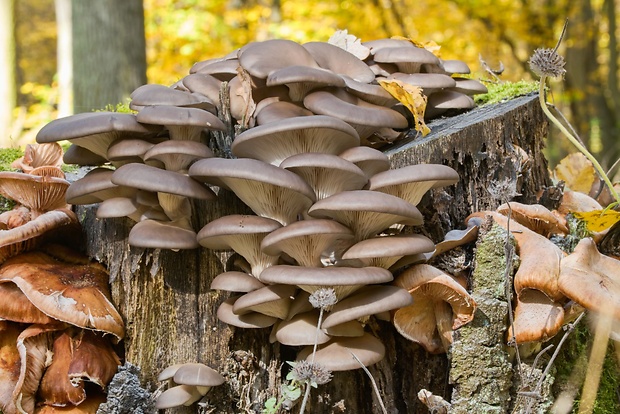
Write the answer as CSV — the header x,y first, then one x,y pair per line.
x,y
279,110
302,79
161,235
384,251
429,82
234,281
82,156
95,187
204,84
335,355
407,59
272,300
155,95
177,155
339,61
260,59
183,123
369,160
275,141
249,320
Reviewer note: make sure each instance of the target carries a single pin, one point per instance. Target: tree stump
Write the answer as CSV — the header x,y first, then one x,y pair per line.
x,y
170,312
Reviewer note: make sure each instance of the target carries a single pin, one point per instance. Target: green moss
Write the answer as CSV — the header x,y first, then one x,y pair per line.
x,y
7,156
500,92
571,366
122,107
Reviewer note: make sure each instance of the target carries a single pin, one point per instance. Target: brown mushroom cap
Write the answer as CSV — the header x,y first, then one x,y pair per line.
x,y
38,193
15,306
9,364
335,355
366,212
307,241
49,154
591,279
412,182
274,141
537,318
367,301
74,293
269,191
344,280
536,217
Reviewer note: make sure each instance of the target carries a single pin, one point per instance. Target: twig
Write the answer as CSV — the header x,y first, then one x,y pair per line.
x,y
374,384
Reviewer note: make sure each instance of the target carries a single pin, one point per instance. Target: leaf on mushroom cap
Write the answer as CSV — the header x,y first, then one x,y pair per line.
x,y
369,160
274,141
307,241
260,59
537,318
271,300
178,155
243,234
300,330
536,217
269,191
9,364
344,280
249,320
327,174
367,301
384,251
363,116
339,61
335,355
366,212
430,287
38,193
73,293
94,131
411,182
56,224
39,155
234,281
34,345
591,279
149,178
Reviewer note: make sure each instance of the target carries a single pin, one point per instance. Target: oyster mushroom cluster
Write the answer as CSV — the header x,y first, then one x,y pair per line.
x,y
280,93
57,322
187,383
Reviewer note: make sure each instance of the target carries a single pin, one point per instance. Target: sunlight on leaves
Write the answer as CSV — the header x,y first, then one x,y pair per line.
x,y
577,172
412,97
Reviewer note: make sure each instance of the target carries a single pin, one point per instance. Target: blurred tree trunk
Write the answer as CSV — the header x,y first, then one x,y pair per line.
x,y
64,57
8,93
109,52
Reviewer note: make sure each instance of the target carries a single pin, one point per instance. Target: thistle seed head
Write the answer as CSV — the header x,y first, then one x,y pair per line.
x,y
547,62
312,372
323,298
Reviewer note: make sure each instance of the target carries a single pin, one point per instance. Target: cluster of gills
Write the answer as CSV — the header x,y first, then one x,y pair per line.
x,y
329,211
55,306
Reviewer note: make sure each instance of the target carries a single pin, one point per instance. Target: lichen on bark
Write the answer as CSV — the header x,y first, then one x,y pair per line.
x,y
481,369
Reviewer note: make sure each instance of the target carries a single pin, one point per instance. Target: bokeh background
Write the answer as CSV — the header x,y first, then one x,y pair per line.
x,y
68,56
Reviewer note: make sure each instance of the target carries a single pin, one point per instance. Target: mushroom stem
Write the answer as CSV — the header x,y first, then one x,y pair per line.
x,y
575,142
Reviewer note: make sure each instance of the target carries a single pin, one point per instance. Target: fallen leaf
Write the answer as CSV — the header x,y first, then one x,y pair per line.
x,y
411,97
350,43
430,45
577,172
598,220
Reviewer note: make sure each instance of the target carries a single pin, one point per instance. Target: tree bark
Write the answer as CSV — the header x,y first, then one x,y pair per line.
x,y
8,87
170,312
109,52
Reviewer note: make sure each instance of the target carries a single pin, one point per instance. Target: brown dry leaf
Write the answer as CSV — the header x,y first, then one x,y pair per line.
x,y
412,97
245,92
577,172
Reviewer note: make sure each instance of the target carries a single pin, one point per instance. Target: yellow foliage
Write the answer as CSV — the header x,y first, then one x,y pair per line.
x,y
577,172
412,97
598,220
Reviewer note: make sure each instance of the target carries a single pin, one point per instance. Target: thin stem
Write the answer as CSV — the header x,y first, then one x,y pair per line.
x,y
372,381
316,342
595,363
575,141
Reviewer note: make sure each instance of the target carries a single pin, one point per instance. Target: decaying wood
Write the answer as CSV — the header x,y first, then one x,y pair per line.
x,y
170,312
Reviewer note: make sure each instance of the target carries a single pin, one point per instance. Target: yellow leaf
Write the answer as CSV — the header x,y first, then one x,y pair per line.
x,y
411,97
431,46
577,172
598,220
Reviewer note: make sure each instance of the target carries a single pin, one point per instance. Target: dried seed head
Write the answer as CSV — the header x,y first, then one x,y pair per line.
x,y
323,298
312,372
547,62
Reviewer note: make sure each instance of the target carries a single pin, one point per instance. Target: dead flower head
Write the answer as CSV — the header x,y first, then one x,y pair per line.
x,y
547,62
311,372
323,298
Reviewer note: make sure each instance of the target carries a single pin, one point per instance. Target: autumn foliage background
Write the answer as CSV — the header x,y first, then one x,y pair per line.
x,y
502,32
